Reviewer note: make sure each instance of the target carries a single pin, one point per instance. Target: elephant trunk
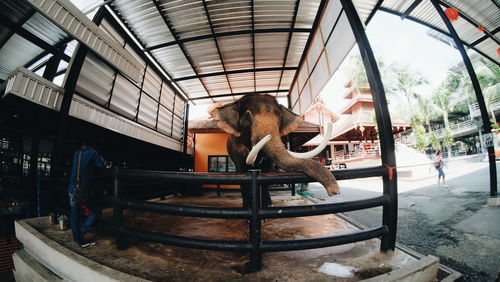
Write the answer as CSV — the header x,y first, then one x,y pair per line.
x,y
266,124
275,149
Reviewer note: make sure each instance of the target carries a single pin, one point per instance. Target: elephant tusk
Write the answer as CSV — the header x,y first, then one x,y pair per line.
x,y
317,150
255,149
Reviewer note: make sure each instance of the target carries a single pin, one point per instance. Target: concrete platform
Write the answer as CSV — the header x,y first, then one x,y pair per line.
x,y
49,254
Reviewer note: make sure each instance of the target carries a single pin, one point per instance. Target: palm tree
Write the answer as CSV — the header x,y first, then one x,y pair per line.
x,y
426,110
356,71
461,85
404,81
445,101
488,75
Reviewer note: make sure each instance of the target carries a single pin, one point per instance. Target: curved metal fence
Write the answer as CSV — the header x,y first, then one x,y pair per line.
x,y
255,246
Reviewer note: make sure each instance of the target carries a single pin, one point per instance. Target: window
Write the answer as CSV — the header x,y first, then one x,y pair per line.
x,y
220,164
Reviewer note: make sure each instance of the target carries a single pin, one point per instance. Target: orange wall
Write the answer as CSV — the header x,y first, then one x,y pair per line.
x,y
209,145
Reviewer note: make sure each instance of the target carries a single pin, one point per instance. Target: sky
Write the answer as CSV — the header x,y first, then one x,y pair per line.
x,y
395,41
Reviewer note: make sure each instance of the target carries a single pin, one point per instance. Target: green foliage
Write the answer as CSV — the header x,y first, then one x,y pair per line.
x,y
403,82
448,138
434,141
488,74
357,73
416,120
444,98
494,125
426,110
422,141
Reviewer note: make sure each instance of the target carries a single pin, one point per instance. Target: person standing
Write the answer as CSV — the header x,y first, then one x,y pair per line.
x,y
85,162
438,164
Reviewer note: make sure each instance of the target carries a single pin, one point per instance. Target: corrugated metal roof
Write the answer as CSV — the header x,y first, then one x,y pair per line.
x,y
24,36
42,28
223,48
472,14
16,51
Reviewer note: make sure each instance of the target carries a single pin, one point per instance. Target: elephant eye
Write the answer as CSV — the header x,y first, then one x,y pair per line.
x,y
246,119
248,116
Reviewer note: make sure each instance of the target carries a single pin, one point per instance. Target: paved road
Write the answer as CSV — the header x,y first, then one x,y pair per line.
x,y
451,223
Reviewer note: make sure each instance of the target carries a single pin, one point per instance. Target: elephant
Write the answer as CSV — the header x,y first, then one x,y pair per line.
x,y
256,122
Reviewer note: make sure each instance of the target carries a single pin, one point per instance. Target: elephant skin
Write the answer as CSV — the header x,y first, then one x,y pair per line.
x,y
253,117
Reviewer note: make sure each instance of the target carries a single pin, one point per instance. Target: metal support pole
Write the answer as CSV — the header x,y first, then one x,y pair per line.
x,y
53,63
33,164
186,124
255,224
117,211
390,212
74,68
479,95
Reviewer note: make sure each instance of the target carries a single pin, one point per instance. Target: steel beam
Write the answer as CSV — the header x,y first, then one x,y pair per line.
x,y
32,38
321,7
375,9
14,28
390,211
217,44
285,57
50,71
242,93
322,242
485,37
496,3
228,33
74,69
176,37
469,20
410,9
198,76
185,129
438,30
113,18
253,44
477,90
255,224
44,53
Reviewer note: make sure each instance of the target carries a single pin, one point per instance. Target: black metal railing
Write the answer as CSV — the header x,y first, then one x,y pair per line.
x,y
254,214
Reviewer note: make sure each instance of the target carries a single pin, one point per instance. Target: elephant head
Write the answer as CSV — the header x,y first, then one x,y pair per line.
x,y
259,117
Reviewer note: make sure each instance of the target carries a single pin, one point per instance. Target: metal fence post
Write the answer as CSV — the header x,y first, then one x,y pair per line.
x,y
390,212
479,95
255,224
117,211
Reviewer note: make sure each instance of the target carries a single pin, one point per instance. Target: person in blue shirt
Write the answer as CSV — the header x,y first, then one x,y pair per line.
x,y
90,160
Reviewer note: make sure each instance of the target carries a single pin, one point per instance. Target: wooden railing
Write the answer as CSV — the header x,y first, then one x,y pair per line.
x,y
364,150
458,128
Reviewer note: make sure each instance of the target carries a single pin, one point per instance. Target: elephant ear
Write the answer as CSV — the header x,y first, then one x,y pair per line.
x,y
226,118
289,121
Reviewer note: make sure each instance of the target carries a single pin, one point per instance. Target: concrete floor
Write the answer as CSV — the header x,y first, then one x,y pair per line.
x,y
159,262
452,223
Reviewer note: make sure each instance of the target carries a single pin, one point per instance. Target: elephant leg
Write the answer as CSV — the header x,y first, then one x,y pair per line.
x,y
266,166
238,152
266,197
245,189
245,195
